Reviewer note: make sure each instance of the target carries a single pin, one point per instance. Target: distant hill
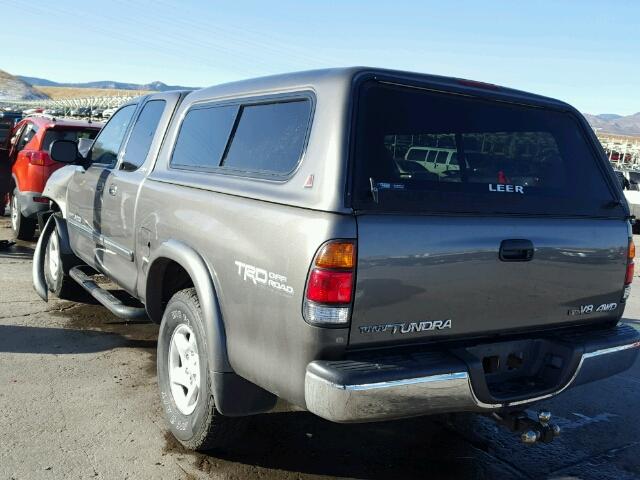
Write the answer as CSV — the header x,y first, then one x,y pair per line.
x,y
608,116
611,123
20,88
105,84
14,88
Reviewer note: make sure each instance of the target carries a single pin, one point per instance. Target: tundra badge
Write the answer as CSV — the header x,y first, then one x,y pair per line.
x,y
402,328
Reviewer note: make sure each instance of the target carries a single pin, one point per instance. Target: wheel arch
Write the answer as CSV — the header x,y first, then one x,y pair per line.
x,y
63,234
173,252
233,394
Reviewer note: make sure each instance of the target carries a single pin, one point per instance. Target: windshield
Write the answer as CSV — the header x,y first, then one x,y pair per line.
x,y
418,150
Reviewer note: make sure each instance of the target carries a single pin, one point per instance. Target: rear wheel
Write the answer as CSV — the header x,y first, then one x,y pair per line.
x,y
56,270
183,377
23,227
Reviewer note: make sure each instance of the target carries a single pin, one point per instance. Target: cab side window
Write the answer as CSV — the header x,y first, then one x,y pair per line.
x,y
107,144
142,135
269,137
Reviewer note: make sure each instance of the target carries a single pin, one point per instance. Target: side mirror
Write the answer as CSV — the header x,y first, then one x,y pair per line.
x,y
64,151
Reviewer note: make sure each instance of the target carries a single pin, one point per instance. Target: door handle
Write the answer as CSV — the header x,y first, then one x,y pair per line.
x,y
516,250
113,189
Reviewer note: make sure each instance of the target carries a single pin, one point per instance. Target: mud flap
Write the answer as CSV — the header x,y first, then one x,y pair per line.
x,y
39,283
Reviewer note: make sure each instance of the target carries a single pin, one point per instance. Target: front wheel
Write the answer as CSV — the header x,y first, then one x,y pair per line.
x,y
183,377
56,269
23,227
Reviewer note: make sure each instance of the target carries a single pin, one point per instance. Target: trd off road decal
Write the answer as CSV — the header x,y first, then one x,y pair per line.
x,y
260,276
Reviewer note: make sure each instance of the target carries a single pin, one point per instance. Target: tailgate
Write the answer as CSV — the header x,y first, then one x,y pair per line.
x,y
520,224
426,277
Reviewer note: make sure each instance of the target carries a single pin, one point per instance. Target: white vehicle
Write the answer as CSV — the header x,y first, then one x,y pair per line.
x,y
107,112
630,183
434,159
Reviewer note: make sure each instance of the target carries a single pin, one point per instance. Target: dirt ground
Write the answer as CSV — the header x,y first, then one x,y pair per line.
x,y
78,399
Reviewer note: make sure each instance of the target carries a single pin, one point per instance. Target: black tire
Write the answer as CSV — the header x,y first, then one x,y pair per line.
x,y
204,428
635,227
23,227
56,274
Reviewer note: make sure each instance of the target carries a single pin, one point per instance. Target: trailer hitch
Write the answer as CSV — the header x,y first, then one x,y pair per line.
x,y
531,430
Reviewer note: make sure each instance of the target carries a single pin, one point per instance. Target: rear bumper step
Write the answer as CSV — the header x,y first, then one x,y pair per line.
x,y
105,297
383,386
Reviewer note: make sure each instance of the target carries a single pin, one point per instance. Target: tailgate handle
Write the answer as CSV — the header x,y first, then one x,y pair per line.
x,y
516,250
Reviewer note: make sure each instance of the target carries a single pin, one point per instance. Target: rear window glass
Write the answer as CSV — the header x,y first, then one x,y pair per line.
x,y
67,134
504,158
269,137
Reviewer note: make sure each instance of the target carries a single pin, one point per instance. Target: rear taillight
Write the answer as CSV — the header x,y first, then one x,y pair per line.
x,y
631,254
326,286
330,284
38,158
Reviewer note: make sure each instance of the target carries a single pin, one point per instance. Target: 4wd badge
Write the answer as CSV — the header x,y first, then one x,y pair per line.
x,y
587,309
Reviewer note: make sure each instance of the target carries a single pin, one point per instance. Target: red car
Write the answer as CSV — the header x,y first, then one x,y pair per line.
x,y
27,152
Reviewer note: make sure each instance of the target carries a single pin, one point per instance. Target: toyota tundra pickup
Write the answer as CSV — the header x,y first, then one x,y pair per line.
x,y
291,246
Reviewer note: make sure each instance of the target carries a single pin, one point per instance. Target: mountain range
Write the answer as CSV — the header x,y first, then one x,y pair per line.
x,y
612,123
13,88
154,86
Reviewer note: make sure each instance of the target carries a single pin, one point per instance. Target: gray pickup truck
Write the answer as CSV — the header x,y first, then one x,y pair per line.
x,y
290,248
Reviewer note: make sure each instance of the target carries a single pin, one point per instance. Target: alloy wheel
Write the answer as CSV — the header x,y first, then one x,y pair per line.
x,y
184,369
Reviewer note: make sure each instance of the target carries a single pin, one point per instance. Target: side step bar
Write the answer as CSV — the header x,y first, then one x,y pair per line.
x,y
103,296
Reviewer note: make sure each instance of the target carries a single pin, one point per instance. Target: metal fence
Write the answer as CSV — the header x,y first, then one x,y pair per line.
x,y
623,152
65,105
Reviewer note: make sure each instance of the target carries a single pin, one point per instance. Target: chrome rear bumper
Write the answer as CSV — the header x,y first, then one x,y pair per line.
x,y
330,395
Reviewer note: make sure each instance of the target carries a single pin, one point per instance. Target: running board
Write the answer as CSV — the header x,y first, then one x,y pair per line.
x,y
105,297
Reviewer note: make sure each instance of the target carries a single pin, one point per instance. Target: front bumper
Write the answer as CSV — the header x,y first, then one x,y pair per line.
x,y
385,386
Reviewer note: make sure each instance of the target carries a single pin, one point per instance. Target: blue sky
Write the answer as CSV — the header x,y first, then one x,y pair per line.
x,y
584,52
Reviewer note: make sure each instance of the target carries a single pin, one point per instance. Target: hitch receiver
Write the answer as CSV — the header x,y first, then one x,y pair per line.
x,y
531,430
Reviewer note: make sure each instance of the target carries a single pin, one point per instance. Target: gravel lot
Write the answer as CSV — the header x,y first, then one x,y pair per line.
x,y
79,400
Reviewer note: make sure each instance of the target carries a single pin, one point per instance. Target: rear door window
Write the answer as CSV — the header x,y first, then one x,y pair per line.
x,y
442,157
142,134
509,158
416,154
